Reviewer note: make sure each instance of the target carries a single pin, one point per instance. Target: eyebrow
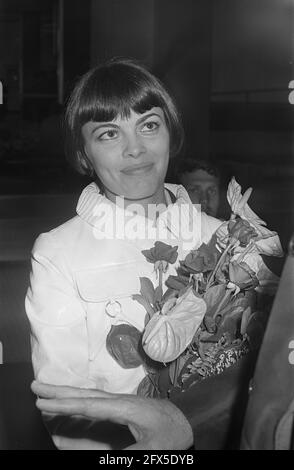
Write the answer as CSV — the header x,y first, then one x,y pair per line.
x,y
146,116
116,126
106,124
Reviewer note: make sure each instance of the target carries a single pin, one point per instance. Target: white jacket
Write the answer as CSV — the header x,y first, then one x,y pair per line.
x,y
75,273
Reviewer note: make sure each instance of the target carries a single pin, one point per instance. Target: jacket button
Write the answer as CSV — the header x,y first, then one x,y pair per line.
x,y
113,308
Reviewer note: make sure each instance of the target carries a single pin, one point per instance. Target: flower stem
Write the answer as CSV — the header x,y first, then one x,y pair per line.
x,y
160,270
159,290
247,250
218,264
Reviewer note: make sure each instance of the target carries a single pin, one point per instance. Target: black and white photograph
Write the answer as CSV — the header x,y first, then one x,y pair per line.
x,y
146,227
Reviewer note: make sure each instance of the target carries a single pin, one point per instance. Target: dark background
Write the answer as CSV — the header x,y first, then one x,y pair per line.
x,y
228,64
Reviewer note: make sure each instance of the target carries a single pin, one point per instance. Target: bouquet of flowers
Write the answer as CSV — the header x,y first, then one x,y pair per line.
x,y
210,315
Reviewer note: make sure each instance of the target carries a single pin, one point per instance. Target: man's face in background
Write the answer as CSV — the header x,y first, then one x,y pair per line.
x,y
203,189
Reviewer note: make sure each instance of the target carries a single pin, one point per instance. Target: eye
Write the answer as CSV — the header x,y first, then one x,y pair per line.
x,y
110,134
212,191
150,126
195,189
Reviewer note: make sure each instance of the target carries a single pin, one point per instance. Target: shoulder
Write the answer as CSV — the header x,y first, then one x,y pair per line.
x,y
209,225
178,191
59,239
209,222
66,235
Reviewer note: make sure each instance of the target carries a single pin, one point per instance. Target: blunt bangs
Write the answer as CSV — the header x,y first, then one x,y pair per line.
x,y
103,107
111,90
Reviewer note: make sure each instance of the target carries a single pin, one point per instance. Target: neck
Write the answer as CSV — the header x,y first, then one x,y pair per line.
x,y
157,198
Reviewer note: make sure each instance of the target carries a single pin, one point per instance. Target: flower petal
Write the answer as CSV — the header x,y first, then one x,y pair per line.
x,y
270,246
123,344
167,336
236,201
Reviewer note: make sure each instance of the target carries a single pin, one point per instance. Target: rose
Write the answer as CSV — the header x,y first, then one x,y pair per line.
x,y
202,260
161,252
241,230
242,276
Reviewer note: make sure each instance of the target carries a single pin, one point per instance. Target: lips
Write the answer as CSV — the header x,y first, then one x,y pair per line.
x,y
137,169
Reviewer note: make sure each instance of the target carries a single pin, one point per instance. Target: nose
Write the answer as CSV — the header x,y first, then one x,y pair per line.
x,y
203,201
133,146
203,205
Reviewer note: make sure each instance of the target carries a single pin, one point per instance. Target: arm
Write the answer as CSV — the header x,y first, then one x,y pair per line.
x,y
212,420
57,318
58,325
155,424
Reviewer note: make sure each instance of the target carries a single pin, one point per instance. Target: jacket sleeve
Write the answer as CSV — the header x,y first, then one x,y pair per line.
x,y
57,318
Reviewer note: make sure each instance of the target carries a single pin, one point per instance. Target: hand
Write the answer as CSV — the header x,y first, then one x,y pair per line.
x,y
155,424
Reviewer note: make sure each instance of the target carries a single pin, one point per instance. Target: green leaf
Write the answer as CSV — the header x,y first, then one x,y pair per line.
x,y
185,289
148,387
147,289
245,299
230,312
213,296
169,293
255,329
172,370
245,320
145,303
209,324
230,325
147,319
158,294
175,368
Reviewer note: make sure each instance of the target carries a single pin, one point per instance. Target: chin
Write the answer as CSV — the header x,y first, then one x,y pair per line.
x,y
141,192
210,212
139,196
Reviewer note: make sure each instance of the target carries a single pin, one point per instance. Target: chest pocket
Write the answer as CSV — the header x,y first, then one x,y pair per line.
x,y
109,282
96,287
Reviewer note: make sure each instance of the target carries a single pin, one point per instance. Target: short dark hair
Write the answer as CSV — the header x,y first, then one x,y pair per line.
x,y
188,165
110,90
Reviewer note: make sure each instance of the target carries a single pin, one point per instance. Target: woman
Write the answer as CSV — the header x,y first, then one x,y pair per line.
x,y
121,128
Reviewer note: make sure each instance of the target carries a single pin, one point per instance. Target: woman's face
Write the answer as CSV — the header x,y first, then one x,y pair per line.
x,y
130,156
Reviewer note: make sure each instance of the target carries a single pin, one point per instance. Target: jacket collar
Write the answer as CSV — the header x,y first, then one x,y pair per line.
x,y
91,197
180,219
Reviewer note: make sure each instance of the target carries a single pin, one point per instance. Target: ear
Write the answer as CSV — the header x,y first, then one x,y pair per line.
x,y
85,163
